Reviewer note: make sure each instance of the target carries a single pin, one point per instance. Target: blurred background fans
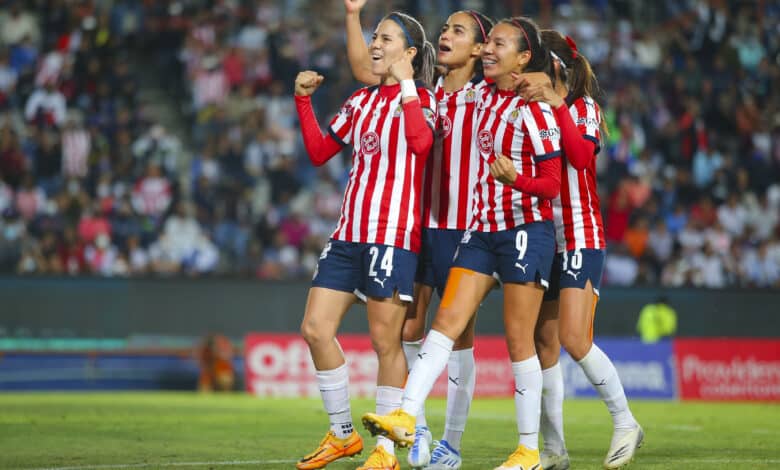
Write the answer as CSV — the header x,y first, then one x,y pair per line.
x,y
142,138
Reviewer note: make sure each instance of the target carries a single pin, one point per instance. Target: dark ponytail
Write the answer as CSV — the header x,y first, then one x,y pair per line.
x,y
575,71
531,40
414,35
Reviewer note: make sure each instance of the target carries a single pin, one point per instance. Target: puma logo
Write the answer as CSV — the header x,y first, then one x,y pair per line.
x,y
521,266
454,380
572,274
381,283
420,355
602,383
520,391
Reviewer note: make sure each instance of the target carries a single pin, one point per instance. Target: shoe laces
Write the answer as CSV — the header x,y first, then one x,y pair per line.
x,y
441,450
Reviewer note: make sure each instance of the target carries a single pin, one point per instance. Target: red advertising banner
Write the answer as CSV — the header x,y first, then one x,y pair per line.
x,y
279,365
728,369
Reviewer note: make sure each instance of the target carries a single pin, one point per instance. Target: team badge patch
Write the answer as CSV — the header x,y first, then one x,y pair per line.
x,y
485,140
369,144
471,96
444,126
429,116
514,115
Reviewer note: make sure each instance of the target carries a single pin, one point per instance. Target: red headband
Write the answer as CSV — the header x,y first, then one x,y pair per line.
x,y
479,22
518,25
573,46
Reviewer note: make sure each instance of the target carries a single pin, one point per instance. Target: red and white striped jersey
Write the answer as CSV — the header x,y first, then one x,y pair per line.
x,y
528,134
382,200
451,172
577,210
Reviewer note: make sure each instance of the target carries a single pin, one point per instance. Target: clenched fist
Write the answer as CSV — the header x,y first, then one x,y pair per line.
x,y
307,82
503,170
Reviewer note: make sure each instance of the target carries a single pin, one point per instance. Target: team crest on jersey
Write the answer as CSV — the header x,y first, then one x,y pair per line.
x,y
369,143
471,96
514,115
485,139
444,126
398,111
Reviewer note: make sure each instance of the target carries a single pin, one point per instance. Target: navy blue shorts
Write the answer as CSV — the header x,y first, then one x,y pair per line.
x,y
574,268
522,254
438,251
366,270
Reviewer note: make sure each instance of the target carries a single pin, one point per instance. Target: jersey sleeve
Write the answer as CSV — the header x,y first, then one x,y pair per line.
x,y
542,129
341,125
587,117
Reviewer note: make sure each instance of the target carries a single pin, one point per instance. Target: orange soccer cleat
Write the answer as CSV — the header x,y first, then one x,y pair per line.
x,y
331,448
380,459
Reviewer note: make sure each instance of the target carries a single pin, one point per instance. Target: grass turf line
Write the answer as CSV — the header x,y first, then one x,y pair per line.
x,y
181,430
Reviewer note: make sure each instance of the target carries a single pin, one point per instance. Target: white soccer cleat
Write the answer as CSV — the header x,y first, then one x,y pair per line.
x,y
624,444
420,452
554,461
444,457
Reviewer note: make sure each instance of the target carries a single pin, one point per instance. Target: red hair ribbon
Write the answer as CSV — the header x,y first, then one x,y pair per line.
x,y
573,46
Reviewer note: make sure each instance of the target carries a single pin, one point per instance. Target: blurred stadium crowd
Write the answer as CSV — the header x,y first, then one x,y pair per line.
x,y
92,183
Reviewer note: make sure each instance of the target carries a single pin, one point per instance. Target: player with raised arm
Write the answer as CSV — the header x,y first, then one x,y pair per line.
x,y
568,309
512,235
372,254
450,177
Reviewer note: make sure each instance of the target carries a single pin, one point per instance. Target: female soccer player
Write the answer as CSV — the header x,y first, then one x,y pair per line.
x,y
447,206
372,253
512,235
570,302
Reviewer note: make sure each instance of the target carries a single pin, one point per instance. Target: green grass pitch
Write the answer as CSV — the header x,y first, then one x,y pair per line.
x,y
80,431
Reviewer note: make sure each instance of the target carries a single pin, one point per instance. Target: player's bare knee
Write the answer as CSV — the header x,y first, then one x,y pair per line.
x,y
576,345
314,335
384,346
412,331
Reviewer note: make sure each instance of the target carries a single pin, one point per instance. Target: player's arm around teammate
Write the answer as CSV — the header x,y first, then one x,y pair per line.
x,y
512,236
372,253
568,310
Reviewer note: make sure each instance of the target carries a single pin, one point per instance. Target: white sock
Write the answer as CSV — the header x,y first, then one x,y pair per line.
x,y
334,388
430,363
528,400
387,399
461,374
602,374
411,349
551,422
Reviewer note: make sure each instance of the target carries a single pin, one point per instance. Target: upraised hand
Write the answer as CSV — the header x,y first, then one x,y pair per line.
x,y
354,6
503,170
307,82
